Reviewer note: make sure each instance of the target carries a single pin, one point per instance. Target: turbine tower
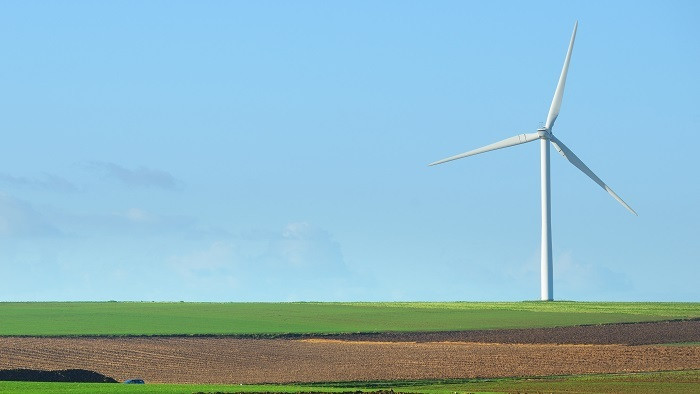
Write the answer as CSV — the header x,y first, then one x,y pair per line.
x,y
544,134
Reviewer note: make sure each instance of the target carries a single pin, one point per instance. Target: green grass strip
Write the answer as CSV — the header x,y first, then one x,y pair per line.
x,y
650,382
175,318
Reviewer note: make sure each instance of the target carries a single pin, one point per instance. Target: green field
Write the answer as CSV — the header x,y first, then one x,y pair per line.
x,y
269,319
654,382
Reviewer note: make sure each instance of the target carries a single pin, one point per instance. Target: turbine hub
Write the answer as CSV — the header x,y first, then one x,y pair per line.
x,y
544,133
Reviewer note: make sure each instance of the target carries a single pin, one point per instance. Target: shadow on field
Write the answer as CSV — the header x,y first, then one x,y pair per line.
x,y
65,375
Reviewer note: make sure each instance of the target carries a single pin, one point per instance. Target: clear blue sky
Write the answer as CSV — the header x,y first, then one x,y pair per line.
x,y
275,151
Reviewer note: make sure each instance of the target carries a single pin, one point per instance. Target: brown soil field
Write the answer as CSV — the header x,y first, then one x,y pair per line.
x,y
647,333
246,360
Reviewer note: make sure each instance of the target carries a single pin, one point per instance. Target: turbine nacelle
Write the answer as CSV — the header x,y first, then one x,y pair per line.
x,y
544,133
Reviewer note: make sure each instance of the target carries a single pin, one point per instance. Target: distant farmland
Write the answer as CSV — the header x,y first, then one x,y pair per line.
x,y
270,319
413,347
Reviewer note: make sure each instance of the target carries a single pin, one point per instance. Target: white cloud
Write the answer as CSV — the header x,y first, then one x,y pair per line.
x,y
582,280
45,182
138,177
133,221
215,261
19,218
299,247
303,246
300,262
137,215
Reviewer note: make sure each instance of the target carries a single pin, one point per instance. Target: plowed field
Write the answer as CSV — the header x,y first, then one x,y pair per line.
x,y
244,360
607,334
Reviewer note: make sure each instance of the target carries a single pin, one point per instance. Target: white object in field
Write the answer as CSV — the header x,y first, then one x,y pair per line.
x,y
545,136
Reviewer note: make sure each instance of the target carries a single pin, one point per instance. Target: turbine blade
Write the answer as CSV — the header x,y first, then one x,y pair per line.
x,y
516,140
559,93
569,155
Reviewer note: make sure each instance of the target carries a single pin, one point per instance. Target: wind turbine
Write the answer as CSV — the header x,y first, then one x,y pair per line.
x,y
544,134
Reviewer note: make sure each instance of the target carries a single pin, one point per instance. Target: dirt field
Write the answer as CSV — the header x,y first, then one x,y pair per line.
x,y
622,334
241,360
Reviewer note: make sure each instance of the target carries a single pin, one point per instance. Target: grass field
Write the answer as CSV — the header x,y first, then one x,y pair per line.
x,y
654,382
148,318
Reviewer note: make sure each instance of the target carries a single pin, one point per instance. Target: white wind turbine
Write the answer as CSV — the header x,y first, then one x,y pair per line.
x,y
544,134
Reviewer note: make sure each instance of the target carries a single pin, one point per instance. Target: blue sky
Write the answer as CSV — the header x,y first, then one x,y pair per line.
x,y
278,151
